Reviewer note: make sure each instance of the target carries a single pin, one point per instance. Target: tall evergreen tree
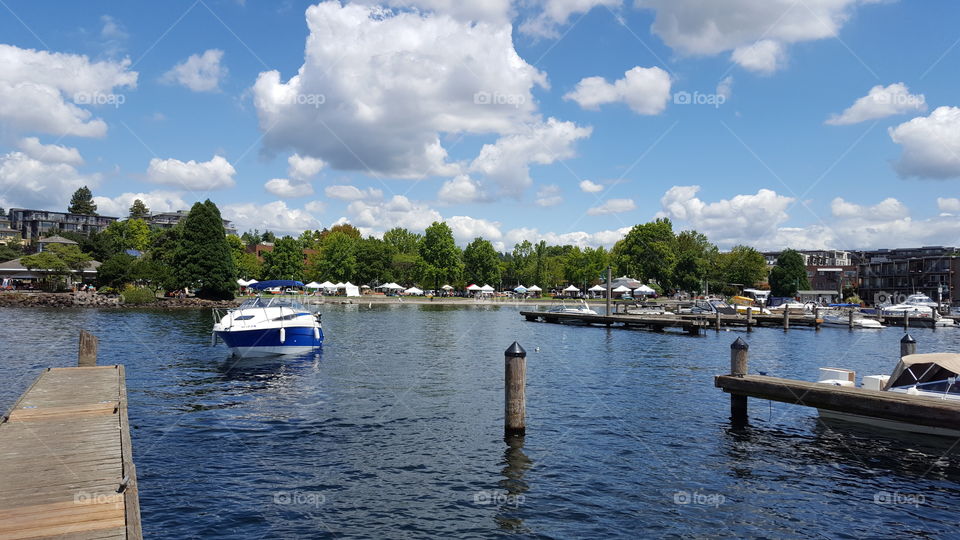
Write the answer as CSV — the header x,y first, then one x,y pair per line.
x,y
441,257
82,202
481,264
204,259
139,210
789,275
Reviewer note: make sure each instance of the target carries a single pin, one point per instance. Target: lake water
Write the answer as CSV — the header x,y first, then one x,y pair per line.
x,y
395,430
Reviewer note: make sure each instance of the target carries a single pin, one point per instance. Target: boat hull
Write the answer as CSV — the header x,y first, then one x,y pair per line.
x,y
888,424
267,342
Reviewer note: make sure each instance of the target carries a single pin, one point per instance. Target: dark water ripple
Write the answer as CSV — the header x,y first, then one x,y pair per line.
x,y
394,430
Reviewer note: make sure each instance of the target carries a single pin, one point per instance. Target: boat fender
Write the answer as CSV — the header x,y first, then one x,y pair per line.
x,y
316,333
283,335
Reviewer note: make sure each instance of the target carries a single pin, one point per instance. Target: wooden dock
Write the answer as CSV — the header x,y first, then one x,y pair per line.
x,y
656,323
66,466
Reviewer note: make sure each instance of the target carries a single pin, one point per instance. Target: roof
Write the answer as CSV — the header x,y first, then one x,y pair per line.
x,y
818,292
927,367
56,240
16,266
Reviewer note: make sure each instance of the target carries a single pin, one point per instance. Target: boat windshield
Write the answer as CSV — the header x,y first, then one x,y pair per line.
x,y
260,302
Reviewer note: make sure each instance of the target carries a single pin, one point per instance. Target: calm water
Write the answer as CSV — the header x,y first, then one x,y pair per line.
x,y
395,430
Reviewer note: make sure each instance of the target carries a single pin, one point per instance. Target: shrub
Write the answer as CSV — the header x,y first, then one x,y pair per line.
x,y
138,295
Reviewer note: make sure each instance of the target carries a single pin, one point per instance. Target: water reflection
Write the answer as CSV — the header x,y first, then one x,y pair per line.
x,y
260,368
515,465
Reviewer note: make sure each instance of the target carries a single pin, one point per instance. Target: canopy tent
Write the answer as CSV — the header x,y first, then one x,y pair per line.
x,y
413,290
473,287
351,289
364,286
922,368
245,283
260,285
313,285
520,289
597,288
486,288
571,289
622,289
327,285
447,288
390,286
644,290
533,288
626,282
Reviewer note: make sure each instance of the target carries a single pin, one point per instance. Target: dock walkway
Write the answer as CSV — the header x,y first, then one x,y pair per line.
x,y
65,458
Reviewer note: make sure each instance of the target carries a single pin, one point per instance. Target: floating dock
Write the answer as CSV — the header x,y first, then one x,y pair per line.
x,y
66,465
653,322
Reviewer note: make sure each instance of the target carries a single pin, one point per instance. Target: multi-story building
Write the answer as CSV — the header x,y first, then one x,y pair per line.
x,y
892,274
34,224
8,235
827,269
168,220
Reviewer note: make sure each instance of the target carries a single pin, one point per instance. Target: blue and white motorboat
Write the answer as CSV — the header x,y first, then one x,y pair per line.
x,y
265,326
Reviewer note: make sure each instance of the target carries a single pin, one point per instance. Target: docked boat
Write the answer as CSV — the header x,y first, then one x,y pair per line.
x,y
841,318
924,377
742,303
916,305
265,326
582,309
710,306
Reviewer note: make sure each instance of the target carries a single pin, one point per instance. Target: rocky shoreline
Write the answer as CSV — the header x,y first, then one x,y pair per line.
x,y
81,299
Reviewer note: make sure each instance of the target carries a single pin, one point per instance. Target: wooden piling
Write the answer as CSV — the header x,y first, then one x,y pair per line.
x,y
515,381
908,345
749,318
850,319
739,355
716,321
87,355
609,290
816,318
786,319
906,321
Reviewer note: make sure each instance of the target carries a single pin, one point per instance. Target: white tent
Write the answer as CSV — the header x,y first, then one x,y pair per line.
x,y
340,285
473,287
327,285
486,288
364,286
242,282
644,290
447,288
597,288
413,290
313,285
622,289
533,288
520,289
394,286
351,289
571,289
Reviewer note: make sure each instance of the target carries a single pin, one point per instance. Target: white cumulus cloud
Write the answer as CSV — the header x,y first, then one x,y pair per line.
x,y
303,167
948,204
288,189
588,186
644,90
880,102
47,92
743,218
274,216
613,206
193,175
555,13
399,211
199,72
30,183
764,56
466,228
931,145
885,210
549,195
50,153
156,201
352,193
461,190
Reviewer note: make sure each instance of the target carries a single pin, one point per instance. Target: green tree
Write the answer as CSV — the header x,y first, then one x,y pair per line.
x,y
441,258
246,263
138,210
285,261
336,260
251,239
481,264
116,271
127,234
789,274
204,261
520,267
374,260
649,251
268,237
58,261
82,202
405,268
162,256
9,253
742,266
403,241
695,257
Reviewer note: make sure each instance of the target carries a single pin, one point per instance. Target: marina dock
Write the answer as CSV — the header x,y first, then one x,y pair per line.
x,y
657,323
66,459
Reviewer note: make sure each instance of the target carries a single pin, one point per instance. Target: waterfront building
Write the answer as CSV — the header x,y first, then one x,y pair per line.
x,y
43,243
8,235
35,224
893,274
827,269
168,220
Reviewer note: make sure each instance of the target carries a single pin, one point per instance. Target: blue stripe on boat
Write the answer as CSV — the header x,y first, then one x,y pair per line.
x,y
297,336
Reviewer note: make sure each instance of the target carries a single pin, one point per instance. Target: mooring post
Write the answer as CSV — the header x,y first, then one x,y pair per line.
x,y
906,321
738,368
749,318
908,345
609,290
850,319
816,318
786,318
88,349
514,386
716,321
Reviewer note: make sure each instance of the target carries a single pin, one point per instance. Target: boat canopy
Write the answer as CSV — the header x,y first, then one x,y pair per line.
x,y
260,285
923,368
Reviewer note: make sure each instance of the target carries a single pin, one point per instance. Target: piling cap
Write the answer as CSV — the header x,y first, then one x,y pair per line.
x,y
515,351
739,344
907,338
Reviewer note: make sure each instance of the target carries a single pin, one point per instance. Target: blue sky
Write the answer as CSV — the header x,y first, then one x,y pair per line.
x,y
814,123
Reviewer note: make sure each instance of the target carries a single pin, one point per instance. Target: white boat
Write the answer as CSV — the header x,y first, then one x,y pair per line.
x,y
582,309
268,326
916,305
840,318
792,305
924,376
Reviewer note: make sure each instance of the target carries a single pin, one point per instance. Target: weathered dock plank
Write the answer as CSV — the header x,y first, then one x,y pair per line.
x,y
66,458
654,322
